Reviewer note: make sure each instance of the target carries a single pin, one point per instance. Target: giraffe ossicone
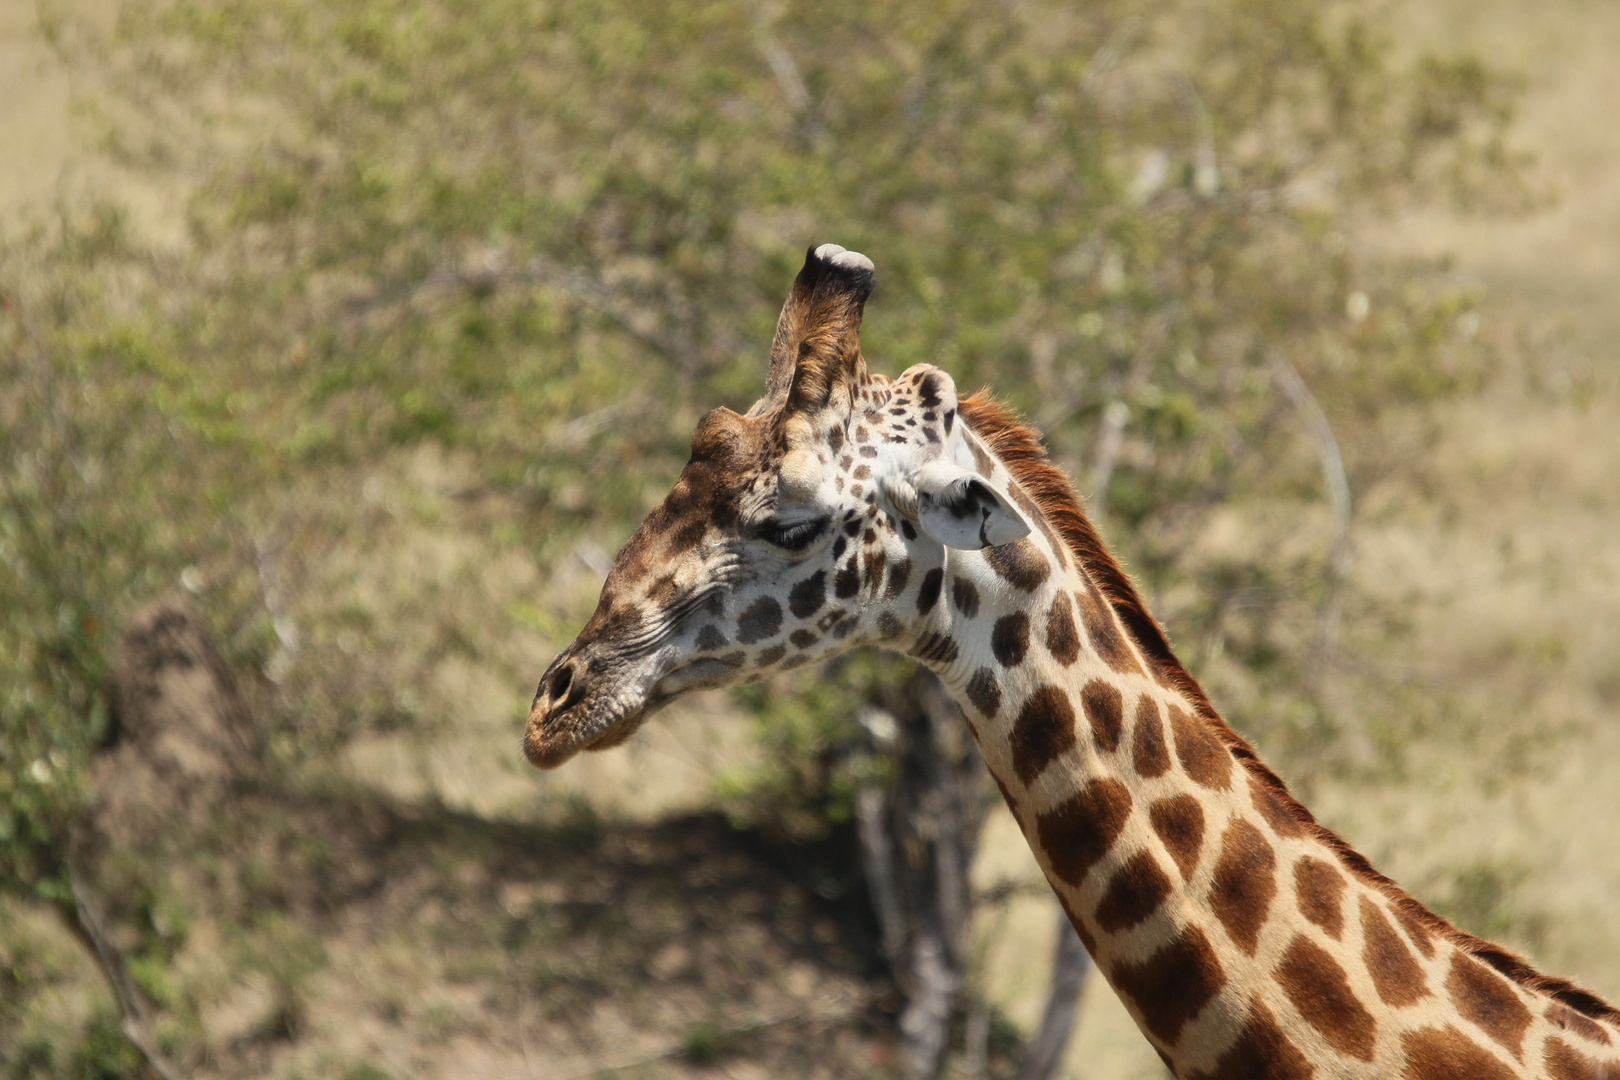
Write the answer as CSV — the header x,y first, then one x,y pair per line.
x,y
851,508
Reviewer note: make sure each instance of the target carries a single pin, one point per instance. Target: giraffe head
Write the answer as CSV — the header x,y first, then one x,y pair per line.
x,y
816,522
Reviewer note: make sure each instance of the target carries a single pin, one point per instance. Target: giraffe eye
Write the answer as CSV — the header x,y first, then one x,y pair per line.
x,y
796,536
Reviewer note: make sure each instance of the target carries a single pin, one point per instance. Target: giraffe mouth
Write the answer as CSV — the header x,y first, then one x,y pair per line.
x,y
551,739
701,674
568,721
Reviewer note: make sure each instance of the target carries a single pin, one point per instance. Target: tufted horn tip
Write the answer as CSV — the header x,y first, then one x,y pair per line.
x,y
847,271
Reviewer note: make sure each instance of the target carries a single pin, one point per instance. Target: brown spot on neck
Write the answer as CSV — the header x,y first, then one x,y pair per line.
x,y
1062,638
1009,639
1415,930
1244,884
1320,890
1134,893
1201,754
965,596
1269,803
1148,753
985,693
1567,1019
1104,635
1262,1052
1105,710
928,591
1172,986
1320,990
1487,999
1447,1054
1395,975
1079,831
1179,822
899,574
1564,1062
1043,731
1020,563
937,649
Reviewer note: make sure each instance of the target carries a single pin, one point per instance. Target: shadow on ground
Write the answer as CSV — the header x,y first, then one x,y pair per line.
x,y
294,923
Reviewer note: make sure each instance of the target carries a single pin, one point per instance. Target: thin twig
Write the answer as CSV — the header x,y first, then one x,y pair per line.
x,y
130,1002
523,1030
625,312
786,73
1390,673
1003,891
282,619
882,877
976,1040
1206,172
1108,56
1118,412
1070,965
1338,488
746,1029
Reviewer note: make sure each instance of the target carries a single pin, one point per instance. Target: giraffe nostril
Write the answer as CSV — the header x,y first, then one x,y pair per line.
x,y
565,692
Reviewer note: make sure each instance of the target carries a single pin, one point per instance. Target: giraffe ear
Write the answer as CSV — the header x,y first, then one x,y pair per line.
x,y
817,345
961,510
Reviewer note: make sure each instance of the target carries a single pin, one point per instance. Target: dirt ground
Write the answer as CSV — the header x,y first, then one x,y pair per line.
x,y
1509,567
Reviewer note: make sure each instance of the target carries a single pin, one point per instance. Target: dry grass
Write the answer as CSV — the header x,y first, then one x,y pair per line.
x,y
49,149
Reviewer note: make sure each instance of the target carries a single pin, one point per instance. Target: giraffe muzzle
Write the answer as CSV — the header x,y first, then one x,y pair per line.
x,y
585,701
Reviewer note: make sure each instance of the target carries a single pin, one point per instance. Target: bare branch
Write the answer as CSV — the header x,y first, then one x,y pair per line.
x,y
882,875
1118,411
1288,380
1070,964
90,927
838,1009
1206,173
661,332
786,73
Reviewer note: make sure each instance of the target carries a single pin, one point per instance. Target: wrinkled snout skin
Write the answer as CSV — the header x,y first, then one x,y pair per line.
x,y
672,574
592,696
575,709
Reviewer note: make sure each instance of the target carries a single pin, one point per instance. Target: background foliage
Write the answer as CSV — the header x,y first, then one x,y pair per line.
x,y
534,242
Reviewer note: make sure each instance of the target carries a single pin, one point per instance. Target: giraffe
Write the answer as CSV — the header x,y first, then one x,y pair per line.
x,y
846,508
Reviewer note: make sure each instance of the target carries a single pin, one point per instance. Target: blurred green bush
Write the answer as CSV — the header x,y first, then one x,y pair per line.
x,y
544,237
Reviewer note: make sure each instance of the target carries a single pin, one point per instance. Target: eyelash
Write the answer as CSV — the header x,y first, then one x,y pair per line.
x,y
795,537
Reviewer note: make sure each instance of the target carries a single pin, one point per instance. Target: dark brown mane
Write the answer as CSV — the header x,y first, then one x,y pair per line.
x,y
1019,447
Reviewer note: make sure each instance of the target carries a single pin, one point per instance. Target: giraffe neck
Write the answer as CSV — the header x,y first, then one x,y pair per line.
x,y
1244,939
